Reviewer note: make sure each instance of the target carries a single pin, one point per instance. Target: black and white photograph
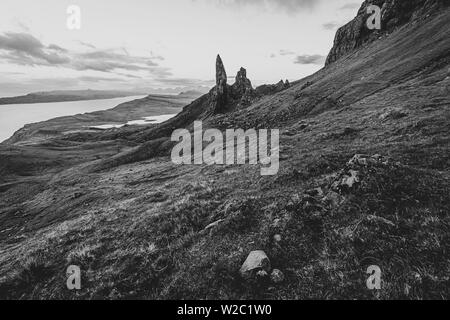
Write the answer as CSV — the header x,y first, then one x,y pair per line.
x,y
242,153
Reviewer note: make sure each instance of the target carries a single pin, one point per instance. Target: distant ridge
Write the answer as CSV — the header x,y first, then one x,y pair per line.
x,y
67,95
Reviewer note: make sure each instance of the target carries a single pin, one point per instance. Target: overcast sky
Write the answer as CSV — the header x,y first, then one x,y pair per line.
x,y
142,44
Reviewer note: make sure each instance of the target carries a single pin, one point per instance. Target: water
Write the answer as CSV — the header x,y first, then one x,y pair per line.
x,y
143,121
14,117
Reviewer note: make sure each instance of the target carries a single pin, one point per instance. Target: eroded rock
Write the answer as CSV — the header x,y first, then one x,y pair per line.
x,y
255,262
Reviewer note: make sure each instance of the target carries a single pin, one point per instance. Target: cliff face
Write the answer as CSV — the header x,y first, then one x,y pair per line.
x,y
394,14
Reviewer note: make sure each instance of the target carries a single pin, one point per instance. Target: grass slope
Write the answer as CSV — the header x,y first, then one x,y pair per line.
x,y
135,224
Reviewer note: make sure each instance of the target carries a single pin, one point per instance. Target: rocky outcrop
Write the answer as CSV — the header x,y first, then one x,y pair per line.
x,y
256,261
266,89
220,91
394,14
225,97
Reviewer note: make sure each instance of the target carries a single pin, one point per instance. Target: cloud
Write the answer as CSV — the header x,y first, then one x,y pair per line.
x,y
310,59
286,53
331,25
25,49
119,67
154,56
98,79
88,45
289,6
110,60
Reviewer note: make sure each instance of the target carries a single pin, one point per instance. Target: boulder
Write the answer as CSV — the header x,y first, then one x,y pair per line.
x,y
255,262
277,276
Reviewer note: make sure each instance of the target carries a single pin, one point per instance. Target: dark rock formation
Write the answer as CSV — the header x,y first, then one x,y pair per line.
x,y
242,89
220,92
224,97
394,14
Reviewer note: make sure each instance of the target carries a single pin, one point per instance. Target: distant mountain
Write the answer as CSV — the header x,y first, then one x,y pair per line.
x,y
68,95
191,93
176,90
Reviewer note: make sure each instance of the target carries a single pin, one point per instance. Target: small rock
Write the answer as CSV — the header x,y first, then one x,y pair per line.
x,y
277,238
315,192
394,114
277,276
262,274
349,181
256,261
276,223
77,195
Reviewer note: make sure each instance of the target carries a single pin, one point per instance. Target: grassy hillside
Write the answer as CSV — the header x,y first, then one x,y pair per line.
x,y
137,224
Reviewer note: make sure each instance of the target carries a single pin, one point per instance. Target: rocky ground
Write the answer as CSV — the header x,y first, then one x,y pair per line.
x,y
364,180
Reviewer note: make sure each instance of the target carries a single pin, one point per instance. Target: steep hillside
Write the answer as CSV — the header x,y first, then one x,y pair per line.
x,y
364,180
394,15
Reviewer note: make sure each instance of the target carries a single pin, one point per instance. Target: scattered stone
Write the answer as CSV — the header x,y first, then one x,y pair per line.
x,y
306,85
289,133
395,114
277,276
214,224
346,181
277,238
377,219
352,179
355,170
262,274
317,192
333,198
303,125
77,195
256,261
365,160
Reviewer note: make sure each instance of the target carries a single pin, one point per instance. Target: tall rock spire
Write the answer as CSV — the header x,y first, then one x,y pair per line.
x,y
242,84
221,75
221,94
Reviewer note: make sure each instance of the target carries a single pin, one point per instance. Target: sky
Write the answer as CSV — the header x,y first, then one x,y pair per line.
x,y
155,44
